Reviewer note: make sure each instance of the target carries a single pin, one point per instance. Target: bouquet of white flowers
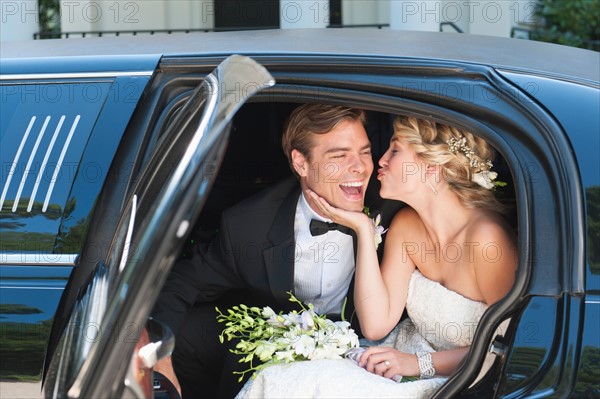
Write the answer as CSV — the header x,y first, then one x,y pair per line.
x,y
283,338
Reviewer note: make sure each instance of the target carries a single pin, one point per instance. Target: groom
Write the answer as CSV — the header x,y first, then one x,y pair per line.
x,y
265,248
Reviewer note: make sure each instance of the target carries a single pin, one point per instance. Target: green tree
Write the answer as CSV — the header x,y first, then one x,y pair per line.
x,y
49,17
592,195
588,379
570,22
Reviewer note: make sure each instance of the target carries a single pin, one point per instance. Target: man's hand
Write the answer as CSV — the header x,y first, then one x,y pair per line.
x,y
165,367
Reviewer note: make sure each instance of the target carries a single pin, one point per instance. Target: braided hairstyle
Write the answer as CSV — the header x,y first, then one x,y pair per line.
x,y
430,140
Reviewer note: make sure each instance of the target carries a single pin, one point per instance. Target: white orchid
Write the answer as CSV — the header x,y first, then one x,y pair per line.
x,y
307,319
326,352
284,356
267,312
265,350
344,338
304,346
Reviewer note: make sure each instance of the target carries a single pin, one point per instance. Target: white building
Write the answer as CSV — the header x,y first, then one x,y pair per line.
x,y
19,19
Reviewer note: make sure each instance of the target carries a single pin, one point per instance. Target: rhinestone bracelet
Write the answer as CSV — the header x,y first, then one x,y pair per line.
x,y
426,369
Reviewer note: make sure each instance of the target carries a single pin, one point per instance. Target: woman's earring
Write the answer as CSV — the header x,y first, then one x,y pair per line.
x,y
431,169
432,188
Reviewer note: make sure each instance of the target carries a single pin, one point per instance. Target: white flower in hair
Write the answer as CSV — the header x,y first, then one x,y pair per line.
x,y
485,178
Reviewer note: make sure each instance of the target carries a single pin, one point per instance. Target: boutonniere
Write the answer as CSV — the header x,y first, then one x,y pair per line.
x,y
378,229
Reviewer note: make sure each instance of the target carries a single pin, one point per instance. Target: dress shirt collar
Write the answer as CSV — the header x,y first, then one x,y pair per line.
x,y
308,212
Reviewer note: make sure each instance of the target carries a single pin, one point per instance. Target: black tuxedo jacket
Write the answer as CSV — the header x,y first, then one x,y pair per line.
x,y
250,261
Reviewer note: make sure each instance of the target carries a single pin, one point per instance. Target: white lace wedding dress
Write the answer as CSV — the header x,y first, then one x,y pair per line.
x,y
439,319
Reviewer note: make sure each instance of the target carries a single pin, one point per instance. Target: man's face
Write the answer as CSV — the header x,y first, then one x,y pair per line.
x,y
339,167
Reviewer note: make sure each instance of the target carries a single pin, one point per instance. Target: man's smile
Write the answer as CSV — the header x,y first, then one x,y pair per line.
x,y
353,190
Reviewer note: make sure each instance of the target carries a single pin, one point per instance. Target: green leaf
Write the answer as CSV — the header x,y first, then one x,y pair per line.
x,y
409,379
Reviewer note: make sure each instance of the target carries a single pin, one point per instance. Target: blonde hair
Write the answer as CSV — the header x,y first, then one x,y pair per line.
x,y
430,141
310,119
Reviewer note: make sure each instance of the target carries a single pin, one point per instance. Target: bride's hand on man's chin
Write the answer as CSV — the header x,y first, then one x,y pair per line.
x,y
353,219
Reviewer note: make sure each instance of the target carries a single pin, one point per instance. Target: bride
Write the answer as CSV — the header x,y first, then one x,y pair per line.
x,y
448,256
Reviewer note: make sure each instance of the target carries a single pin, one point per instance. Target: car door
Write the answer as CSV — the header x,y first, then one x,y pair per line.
x,y
61,122
93,356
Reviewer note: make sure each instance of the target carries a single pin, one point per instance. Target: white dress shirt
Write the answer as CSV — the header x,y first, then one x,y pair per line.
x,y
324,265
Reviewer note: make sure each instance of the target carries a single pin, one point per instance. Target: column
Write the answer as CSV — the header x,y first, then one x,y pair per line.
x,y
358,12
203,14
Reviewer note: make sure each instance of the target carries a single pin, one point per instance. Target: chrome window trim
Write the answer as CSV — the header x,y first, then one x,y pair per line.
x,y
75,75
37,259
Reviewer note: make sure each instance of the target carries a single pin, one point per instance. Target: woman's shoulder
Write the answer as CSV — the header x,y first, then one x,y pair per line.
x,y
406,219
406,215
494,255
488,226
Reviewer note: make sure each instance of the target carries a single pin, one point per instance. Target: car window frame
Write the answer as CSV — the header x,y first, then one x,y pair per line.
x,y
533,134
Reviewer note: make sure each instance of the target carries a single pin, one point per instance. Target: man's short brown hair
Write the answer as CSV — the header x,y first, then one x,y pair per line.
x,y
309,119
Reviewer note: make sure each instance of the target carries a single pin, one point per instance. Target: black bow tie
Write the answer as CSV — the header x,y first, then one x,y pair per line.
x,y
318,228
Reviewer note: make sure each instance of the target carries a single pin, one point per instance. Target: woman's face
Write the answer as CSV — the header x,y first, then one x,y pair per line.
x,y
402,173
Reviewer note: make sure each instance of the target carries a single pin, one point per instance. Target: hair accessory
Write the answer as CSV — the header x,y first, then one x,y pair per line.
x,y
426,369
483,176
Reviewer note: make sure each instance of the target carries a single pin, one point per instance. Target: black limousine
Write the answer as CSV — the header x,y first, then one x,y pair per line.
x,y
117,152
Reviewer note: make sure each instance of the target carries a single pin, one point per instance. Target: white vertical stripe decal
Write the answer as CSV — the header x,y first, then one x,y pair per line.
x,y
14,164
44,162
29,162
59,163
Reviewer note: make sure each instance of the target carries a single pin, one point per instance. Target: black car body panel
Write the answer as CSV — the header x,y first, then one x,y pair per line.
x,y
577,308
541,115
60,130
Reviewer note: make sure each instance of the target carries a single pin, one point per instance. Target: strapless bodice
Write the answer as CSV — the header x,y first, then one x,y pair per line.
x,y
446,319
